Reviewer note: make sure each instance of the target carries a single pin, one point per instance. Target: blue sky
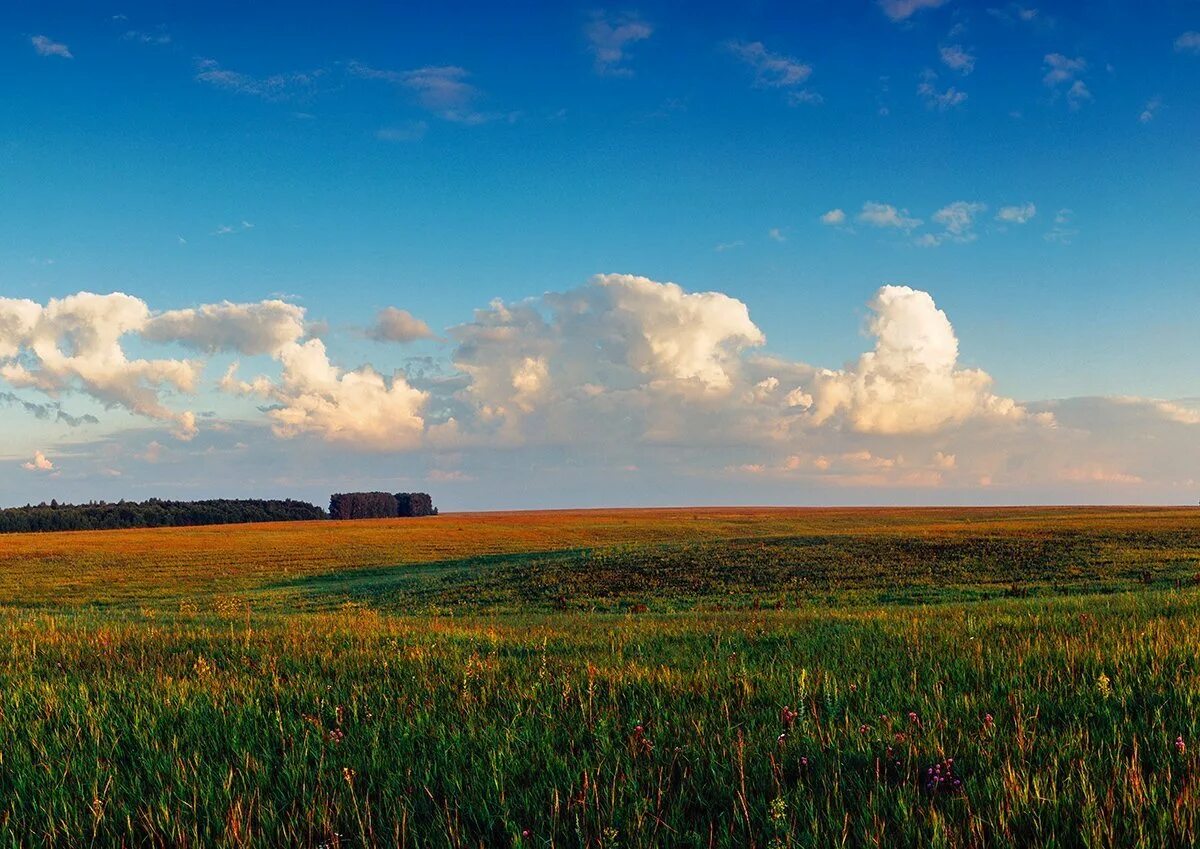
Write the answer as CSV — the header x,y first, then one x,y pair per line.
x,y
435,157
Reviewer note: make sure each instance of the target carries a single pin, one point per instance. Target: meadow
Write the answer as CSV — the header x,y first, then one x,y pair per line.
x,y
693,678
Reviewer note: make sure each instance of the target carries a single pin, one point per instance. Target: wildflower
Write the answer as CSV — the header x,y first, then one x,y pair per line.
x,y
778,809
912,717
803,760
348,775
864,728
1180,746
988,720
787,716
525,833
1104,686
782,737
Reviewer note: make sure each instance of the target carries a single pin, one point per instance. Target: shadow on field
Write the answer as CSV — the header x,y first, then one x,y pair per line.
x,y
757,572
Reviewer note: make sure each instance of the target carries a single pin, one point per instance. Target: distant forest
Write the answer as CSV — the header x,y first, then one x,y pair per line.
x,y
154,513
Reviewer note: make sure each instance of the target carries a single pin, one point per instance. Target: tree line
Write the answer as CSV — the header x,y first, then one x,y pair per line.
x,y
154,513
380,505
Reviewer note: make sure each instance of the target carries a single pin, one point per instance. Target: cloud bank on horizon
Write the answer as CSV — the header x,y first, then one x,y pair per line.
x,y
620,366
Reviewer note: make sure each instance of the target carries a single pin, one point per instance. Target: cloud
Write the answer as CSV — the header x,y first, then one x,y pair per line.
x,y
911,381
902,10
1150,110
775,71
1019,214
360,409
885,215
834,217
958,223
74,344
940,100
39,463
1061,69
141,37
261,328
623,371
51,411
958,58
274,87
396,325
412,131
728,246
1064,71
1188,42
1063,231
776,235
444,91
609,40
1014,13
48,47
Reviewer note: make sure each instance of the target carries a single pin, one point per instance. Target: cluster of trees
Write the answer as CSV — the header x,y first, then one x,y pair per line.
x,y
155,513
380,505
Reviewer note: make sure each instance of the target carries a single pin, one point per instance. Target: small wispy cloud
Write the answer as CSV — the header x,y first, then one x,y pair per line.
x,y
444,91
1063,71
1064,231
1189,42
885,215
776,235
776,71
834,217
902,10
226,229
409,132
957,220
48,47
941,100
609,40
1017,214
1150,110
728,246
273,87
159,38
958,58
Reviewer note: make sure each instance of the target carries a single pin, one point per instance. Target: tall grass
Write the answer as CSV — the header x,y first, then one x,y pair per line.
x,y
134,719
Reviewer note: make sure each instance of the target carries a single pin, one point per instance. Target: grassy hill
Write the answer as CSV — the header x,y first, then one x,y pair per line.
x,y
620,678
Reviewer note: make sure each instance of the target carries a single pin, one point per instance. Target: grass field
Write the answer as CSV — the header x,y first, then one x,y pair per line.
x,y
690,678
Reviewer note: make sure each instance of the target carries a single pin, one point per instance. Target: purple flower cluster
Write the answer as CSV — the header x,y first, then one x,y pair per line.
x,y
941,779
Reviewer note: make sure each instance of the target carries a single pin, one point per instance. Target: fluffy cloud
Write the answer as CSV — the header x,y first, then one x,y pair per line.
x,y
262,328
834,217
609,39
911,381
39,463
360,408
620,339
396,325
74,343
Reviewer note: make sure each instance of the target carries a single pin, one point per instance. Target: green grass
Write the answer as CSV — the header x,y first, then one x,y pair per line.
x,y
464,698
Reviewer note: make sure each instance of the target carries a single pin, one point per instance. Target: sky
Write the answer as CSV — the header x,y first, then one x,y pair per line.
x,y
557,255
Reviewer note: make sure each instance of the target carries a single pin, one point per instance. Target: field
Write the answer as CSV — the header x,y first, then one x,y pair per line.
x,y
694,678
